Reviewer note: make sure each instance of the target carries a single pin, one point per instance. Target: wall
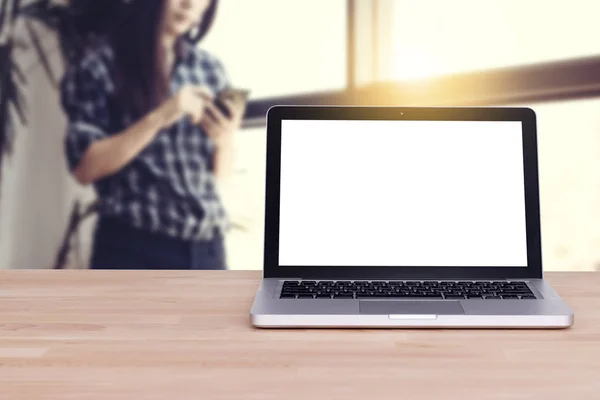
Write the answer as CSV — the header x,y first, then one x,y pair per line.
x,y
37,191
569,160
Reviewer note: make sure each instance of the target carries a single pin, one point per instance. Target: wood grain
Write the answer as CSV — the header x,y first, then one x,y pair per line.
x,y
186,335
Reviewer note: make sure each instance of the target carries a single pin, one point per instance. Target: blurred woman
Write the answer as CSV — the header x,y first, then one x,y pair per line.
x,y
144,130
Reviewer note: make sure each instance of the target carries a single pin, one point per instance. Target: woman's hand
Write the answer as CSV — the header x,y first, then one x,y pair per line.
x,y
189,101
218,126
221,129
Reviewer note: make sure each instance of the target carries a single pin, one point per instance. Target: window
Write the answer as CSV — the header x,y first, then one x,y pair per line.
x,y
569,164
277,48
435,37
245,201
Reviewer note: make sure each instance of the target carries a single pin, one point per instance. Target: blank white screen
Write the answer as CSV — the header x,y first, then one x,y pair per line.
x,y
402,193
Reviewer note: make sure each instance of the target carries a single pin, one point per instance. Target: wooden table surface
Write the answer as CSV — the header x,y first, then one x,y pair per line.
x,y
187,335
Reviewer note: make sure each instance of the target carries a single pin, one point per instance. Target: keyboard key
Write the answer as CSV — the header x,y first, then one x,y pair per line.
x,y
528,297
323,296
515,294
305,296
516,291
364,296
287,296
477,294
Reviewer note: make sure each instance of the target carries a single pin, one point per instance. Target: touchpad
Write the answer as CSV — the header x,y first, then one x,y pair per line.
x,y
411,307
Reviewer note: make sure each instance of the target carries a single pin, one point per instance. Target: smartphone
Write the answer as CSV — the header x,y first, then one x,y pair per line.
x,y
239,97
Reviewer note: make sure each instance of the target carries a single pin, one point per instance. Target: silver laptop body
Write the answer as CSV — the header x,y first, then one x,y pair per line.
x,y
381,217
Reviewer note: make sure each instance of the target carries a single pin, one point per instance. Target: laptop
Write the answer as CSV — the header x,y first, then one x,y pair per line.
x,y
382,217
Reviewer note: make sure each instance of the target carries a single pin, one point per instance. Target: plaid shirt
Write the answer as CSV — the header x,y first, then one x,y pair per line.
x,y
170,186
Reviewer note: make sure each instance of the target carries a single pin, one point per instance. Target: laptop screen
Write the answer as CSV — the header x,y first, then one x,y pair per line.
x,y
402,193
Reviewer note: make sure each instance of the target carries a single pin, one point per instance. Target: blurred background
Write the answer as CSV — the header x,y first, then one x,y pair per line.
x,y
535,53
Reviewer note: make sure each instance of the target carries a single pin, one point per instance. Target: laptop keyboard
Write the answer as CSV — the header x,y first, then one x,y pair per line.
x,y
450,290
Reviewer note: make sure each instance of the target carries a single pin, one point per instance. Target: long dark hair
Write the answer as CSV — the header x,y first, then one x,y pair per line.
x,y
140,82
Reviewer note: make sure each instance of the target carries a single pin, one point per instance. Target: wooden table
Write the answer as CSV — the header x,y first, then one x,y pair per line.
x,y
186,335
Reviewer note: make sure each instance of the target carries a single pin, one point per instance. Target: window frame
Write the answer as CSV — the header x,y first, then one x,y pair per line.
x,y
369,31
358,12
561,79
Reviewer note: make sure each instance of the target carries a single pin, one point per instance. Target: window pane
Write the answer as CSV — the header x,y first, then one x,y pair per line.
x,y
432,37
569,159
276,47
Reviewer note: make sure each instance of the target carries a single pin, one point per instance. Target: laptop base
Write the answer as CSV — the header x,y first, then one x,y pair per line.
x,y
549,311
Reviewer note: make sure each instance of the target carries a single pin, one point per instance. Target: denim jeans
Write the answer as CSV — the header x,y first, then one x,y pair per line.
x,y
118,245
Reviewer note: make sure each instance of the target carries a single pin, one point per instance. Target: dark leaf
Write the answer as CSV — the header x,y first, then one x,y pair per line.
x,y
18,72
17,99
91,209
35,39
15,9
57,18
6,131
5,120
4,15
35,6
46,14
63,253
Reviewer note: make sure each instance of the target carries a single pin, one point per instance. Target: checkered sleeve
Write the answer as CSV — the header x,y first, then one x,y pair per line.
x,y
84,97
